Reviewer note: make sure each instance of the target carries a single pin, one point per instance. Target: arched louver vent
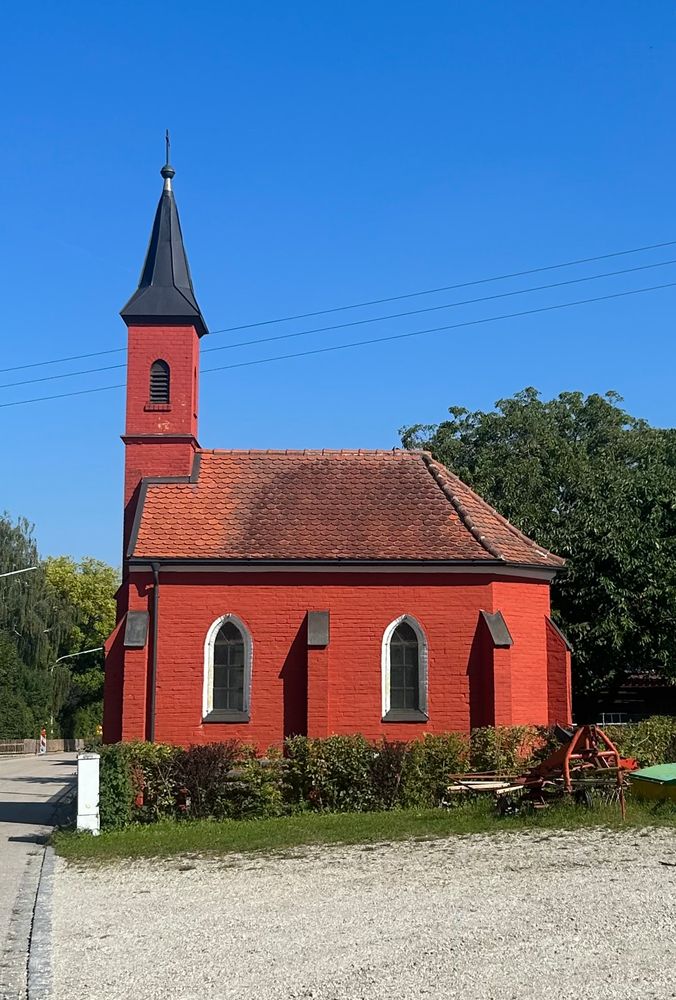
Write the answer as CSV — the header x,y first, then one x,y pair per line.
x,y
159,382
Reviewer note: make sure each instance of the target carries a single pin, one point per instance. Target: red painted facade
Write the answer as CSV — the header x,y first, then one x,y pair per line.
x,y
160,440
337,689
156,688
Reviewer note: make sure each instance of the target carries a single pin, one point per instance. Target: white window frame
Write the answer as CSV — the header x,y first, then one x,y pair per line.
x,y
209,644
423,660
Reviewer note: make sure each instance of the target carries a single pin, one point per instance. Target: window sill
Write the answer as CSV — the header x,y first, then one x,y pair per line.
x,y
226,715
157,408
405,715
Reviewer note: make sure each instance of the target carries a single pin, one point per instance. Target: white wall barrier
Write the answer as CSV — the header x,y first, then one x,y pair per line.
x,y
88,792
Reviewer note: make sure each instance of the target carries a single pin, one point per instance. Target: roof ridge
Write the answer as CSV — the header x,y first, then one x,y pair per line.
x,y
429,460
432,467
353,452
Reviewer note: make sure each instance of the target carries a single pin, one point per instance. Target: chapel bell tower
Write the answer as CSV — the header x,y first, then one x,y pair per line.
x,y
165,324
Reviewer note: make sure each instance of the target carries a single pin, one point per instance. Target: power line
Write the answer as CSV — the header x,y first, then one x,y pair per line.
x,y
52,378
59,361
372,302
362,322
446,305
63,395
449,288
375,340
438,329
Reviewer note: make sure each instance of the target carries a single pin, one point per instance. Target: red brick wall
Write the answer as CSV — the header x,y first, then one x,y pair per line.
x,y
525,606
274,607
172,455
113,685
179,347
558,674
135,722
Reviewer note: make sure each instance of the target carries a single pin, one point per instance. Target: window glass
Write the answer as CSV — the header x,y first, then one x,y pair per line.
x,y
229,669
404,668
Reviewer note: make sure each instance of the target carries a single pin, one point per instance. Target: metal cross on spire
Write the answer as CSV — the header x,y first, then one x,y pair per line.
x,y
167,170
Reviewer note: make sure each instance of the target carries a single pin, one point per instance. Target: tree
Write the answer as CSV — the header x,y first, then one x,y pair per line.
x,y
87,588
17,700
58,608
598,487
30,612
33,621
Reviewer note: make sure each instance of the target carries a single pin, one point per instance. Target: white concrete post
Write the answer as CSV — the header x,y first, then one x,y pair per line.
x,y
88,792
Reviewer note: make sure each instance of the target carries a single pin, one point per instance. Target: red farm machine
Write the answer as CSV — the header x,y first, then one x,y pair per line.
x,y
587,764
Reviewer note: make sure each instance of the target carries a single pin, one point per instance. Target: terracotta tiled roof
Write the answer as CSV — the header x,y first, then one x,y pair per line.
x,y
326,505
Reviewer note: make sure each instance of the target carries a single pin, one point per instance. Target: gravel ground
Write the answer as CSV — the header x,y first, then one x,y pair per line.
x,y
509,917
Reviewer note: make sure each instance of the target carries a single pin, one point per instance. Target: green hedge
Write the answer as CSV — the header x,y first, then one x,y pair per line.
x,y
652,741
143,782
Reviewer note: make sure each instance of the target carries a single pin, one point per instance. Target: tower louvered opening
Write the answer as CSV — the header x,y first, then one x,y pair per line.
x,y
159,382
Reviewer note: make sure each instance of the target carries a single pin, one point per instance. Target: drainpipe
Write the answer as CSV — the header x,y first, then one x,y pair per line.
x,y
153,656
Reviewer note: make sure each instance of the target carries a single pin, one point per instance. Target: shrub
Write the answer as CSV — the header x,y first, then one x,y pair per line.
x,y
151,768
298,779
427,765
506,749
387,773
116,794
256,788
147,781
204,771
332,774
652,741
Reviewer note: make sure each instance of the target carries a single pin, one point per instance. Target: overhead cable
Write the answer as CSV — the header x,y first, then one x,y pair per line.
x,y
362,322
371,302
374,340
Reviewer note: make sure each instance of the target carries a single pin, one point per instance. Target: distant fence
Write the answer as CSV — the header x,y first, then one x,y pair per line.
x,y
31,746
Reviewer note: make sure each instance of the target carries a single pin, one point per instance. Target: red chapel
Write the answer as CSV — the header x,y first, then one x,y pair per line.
x,y
273,593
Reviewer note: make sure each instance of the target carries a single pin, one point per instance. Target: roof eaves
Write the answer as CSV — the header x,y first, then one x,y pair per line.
x,y
441,564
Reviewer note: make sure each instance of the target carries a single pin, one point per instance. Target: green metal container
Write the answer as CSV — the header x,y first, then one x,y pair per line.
x,y
657,782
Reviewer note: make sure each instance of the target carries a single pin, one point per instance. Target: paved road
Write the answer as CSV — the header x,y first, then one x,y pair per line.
x,y
30,789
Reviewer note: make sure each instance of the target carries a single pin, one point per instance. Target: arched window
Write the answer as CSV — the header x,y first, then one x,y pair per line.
x,y
227,671
160,379
404,672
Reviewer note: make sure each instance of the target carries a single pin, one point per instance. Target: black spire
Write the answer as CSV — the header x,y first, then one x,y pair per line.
x,y
165,294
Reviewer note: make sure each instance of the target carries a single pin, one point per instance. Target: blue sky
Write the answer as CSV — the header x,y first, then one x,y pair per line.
x,y
327,154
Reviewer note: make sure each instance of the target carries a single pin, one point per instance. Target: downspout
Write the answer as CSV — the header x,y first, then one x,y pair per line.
x,y
153,656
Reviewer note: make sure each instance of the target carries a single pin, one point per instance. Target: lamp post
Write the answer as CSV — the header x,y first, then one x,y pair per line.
x,y
14,572
68,656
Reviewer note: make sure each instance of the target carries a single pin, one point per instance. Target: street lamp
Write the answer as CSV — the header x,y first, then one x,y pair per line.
x,y
68,656
14,572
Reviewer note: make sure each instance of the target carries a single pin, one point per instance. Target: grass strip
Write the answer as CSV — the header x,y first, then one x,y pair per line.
x,y
218,837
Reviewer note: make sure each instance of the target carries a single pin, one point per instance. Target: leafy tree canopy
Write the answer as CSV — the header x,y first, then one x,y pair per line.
x,y
87,588
31,613
58,608
21,695
598,487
